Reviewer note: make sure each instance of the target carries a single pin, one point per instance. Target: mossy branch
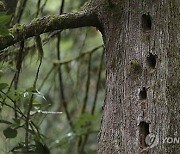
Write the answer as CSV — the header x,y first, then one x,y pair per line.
x,y
48,24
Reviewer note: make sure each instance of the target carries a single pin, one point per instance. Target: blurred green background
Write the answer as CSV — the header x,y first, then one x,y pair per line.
x,y
81,64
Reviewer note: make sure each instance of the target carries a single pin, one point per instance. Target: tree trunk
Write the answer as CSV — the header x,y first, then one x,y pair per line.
x,y
142,43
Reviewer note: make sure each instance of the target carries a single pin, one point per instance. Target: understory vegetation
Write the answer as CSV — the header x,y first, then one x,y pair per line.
x,y
51,86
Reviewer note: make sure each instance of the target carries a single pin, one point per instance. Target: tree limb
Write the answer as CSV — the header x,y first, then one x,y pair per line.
x,y
48,24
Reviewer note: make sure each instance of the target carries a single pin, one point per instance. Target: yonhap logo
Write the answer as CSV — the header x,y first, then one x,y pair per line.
x,y
153,140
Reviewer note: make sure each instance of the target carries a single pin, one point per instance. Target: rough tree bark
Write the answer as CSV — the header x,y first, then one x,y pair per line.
x,y
142,43
142,40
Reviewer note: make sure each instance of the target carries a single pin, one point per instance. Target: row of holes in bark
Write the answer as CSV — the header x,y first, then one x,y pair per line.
x,y
151,61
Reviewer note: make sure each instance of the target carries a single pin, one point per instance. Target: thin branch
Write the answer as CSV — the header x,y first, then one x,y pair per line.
x,y
78,57
42,8
80,140
79,64
46,77
18,68
87,85
61,85
38,8
20,11
61,7
49,24
39,47
50,36
97,84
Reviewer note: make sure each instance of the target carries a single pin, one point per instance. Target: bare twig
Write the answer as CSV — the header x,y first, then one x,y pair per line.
x,y
87,85
38,8
39,47
64,102
20,11
97,84
79,64
46,77
44,4
78,57
18,68
80,140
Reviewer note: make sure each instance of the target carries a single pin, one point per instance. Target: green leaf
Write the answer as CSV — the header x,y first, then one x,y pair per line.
x,y
4,31
10,133
4,19
3,86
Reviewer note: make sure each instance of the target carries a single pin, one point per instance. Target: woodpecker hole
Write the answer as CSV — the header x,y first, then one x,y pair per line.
x,y
143,94
146,22
143,132
151,61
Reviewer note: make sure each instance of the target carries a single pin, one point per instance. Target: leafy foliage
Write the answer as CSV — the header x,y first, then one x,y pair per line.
x,y
4,20
35,84
10,132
